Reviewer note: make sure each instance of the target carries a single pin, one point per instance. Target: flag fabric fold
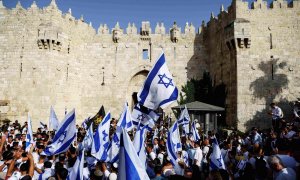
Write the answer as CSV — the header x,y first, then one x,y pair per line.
x,y
125,122
216,159
173,143
53,121
139,144
77,170
141,118
129,159
101,139
64,136
88,139
195,132
184,120
29,136
159,89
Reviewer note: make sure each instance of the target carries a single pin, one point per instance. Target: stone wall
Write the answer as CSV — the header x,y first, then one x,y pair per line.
x,y
262,54
50,58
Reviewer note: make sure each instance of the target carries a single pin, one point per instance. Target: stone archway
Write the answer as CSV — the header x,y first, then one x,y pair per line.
x,y
135,84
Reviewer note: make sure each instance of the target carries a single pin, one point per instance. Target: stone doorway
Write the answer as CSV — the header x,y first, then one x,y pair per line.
x,y
135,84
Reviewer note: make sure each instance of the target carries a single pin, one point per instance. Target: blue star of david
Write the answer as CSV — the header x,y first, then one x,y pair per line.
x,y
166,84
116,140
219,161
104,135
62,137
106,145
141,117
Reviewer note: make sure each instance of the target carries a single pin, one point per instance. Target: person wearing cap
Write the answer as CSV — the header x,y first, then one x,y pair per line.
x,y
110,175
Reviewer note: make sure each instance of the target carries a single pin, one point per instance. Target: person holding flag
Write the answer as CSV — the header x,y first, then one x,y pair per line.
x,y
64,136
101,139
125,122
29,136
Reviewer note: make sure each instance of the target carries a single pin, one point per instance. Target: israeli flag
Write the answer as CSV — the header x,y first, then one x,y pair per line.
x,y
184,120
29,136
195,132
64,136
53,121
159,89
173,144
88,139
216,159
101,139
142,118
139,144
77,170
125,122
84,123
130,166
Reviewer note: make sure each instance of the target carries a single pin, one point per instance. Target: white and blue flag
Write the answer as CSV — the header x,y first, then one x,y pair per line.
x,y
64,136
216,159
53,121
84,123
101,139
174,146
139,144
125,122
29,137
141,118
88,139
184,120
195,132
130,165
77,170
173,143
159,89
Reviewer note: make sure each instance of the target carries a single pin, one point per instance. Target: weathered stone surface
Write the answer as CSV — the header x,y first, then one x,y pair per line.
x,y
50,58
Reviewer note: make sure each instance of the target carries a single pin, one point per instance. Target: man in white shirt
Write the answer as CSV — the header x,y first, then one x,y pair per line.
x,y
150,152
277,114
198,155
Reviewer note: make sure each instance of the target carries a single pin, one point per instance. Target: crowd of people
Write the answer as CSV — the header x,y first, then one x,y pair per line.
x,y
267,154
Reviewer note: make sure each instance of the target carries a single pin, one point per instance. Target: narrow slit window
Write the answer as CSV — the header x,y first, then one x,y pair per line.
x,y
271,41
145,54
272,71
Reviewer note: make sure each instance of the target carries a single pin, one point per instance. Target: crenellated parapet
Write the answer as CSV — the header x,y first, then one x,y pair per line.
x,y
131,29
189,29
160,28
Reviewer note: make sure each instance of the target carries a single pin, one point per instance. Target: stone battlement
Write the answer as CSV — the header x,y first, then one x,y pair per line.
x,y
52,9
241,7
